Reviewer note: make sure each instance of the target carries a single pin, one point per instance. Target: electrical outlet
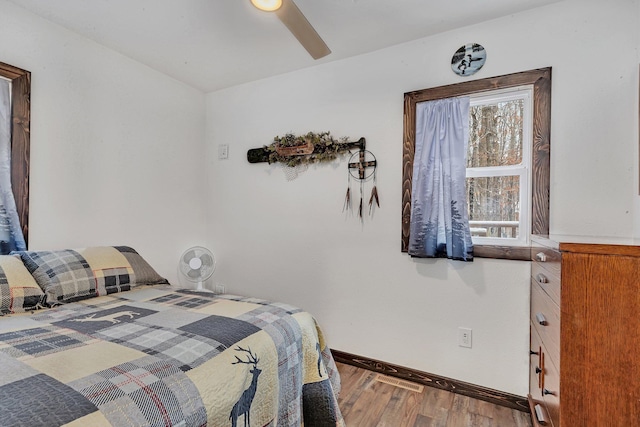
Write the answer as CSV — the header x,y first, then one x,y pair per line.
x,y
220,289
464,337
223,151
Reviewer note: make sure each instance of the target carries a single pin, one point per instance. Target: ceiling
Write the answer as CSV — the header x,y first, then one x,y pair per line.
x,y
213,44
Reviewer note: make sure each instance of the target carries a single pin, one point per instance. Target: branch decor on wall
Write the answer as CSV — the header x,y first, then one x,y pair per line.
x,y
295,151
292,150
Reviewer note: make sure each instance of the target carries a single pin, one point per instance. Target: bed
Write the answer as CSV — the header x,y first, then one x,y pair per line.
x,y
94,337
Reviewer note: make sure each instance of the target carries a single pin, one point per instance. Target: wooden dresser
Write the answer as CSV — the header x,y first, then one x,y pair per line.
x,y
585,332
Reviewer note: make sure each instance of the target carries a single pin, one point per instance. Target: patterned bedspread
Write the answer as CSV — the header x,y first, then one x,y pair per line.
x,y
156,356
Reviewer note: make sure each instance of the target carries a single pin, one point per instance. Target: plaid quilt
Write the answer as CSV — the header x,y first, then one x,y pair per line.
x,y
155,356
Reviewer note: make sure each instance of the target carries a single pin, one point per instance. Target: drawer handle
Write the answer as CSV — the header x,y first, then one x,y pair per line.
x,y
541,416
531,353
546,392
538,370
541,256
541,319
541,278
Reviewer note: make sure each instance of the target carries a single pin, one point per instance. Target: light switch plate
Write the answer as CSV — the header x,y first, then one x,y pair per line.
x,y
223,151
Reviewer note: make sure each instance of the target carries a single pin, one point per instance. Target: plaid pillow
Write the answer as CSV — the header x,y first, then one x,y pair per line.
x,y
119,268
19,292
64,276
75,274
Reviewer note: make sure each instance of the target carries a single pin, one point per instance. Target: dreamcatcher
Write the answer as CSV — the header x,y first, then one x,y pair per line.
x,y
362,167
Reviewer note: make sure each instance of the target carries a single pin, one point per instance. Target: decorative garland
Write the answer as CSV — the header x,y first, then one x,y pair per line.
x,y
306,149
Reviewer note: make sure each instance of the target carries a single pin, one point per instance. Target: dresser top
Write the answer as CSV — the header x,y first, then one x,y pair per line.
x,y
590,244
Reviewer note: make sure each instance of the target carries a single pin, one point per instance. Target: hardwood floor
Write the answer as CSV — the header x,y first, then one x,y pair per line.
x,y
365,402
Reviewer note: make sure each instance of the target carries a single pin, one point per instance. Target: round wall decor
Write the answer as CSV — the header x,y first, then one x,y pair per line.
x,y
468,59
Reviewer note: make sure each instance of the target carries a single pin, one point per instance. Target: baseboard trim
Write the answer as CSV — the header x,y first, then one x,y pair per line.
x,y
477,392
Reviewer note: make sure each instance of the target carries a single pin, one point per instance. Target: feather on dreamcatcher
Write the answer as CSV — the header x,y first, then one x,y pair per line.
x,y
362,167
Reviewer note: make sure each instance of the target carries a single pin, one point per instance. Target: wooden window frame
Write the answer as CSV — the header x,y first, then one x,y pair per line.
x,y
20,139
540,79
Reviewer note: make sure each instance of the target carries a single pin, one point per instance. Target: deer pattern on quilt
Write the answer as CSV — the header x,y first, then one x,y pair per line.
x,y
113,317
243,405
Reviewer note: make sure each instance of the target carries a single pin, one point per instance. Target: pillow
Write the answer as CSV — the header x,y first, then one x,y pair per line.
x,y
19,292
64,276
76,274
119,268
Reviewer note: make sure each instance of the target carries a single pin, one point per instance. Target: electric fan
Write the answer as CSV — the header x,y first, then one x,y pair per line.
x,y
197,264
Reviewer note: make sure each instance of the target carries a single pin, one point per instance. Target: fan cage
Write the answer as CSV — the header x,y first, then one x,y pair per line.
x,y
206,269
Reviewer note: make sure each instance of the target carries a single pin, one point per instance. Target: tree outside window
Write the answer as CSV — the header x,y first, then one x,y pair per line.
x,y
498,164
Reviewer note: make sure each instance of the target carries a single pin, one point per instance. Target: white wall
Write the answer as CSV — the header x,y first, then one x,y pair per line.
x,y
117,158
290,241
115,146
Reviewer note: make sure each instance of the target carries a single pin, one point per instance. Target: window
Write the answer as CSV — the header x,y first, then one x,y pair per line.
x,y
20,139
508,179
498,165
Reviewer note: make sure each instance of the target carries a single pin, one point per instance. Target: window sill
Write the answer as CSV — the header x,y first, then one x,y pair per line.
x,y
518,253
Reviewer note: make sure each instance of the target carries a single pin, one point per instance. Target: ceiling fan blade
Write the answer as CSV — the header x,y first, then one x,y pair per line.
x,y
300,27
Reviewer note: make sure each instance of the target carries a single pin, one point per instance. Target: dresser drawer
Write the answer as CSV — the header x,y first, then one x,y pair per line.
x,y
545,319
539,381
547,279
548,257
551,390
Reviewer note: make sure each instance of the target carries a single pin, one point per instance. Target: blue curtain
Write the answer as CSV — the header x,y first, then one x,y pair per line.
x,y
11,237
439,218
